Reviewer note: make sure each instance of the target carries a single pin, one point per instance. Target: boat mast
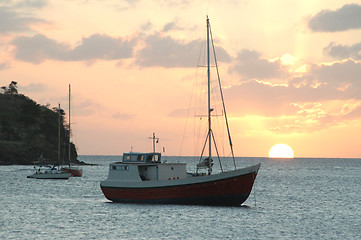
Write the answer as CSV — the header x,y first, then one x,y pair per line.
x,y
154,138
223,104
209,105
59,118
69,131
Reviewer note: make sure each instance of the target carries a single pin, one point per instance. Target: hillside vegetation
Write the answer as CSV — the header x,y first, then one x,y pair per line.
x,y
29,130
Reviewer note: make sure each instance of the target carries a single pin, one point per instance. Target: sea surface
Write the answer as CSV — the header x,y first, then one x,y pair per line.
x,y
292,199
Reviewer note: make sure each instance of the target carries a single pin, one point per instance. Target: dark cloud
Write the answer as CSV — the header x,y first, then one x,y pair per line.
x,y
167,52
343,52
345,18
251,65
11,21
39,48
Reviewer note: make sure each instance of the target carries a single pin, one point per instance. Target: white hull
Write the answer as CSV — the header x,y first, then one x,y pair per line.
x,y
115,183
58,175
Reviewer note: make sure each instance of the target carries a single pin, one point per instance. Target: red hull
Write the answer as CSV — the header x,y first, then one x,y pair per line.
x,y
229,191
74,172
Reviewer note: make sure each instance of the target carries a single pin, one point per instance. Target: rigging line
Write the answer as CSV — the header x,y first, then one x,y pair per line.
x,y
198,126
185,125
215,146
190,101
219,124
224,107
204,146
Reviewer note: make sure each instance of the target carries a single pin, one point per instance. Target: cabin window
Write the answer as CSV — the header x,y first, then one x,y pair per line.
x,y
120,168
152,158
135,158
127,157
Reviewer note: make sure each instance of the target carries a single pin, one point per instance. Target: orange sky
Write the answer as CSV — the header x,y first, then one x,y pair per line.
x,y
291,70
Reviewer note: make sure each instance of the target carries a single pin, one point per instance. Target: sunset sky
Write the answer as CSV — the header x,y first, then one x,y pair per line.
x,y
291,70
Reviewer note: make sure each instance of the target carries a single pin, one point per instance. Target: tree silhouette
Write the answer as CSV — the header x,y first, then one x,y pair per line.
x,y
12,89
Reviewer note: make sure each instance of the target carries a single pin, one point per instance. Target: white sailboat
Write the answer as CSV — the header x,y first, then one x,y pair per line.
x,y
48,172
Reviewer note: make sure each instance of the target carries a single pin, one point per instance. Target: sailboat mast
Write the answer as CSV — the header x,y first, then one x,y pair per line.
x,y
59,119
209,103
69,131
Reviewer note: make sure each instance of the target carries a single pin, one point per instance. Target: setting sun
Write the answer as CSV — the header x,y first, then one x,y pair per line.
x,y
281,151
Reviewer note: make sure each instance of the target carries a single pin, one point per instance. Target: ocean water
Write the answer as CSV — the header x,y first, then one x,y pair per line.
x,y
292,199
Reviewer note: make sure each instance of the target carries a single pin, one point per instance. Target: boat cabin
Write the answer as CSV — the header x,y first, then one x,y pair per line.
x,y
145,167
142,157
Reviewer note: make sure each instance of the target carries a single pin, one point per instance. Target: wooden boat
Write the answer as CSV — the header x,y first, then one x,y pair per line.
x,y
143,178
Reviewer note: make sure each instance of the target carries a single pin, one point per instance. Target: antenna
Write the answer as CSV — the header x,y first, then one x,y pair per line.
x,y
154,141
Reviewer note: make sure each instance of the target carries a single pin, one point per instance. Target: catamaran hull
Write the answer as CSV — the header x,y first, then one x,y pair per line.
x,y
226,189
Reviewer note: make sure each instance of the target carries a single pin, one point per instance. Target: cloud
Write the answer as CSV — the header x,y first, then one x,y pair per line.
x,y
31,4
39,48
345,18
123,116
102,47
175,25
33,87
338,51
344,76
86,107
170,26
4,65
249,64
11,21
167,52
326,95
125,4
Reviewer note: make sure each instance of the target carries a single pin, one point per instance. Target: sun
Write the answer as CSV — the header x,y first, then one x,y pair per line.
x,y
281,151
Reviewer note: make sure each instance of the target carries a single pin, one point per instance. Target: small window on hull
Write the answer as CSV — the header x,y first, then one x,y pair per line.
x,y
120,168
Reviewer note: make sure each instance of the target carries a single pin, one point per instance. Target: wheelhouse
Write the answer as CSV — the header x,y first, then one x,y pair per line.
x,y
133,157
